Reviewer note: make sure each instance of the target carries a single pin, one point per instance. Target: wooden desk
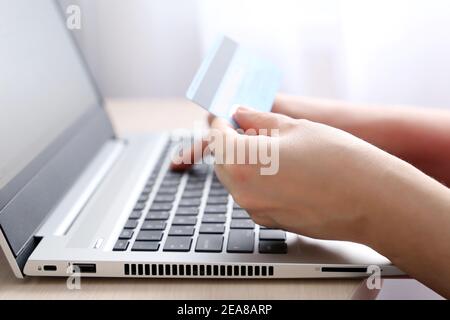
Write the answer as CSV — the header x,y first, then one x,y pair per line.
x,y
141,116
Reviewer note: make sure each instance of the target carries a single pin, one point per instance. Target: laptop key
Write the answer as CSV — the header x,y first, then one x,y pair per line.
x,y
210,228
195,182
218,192
181,231
192,187
131,224
197,176
184,221
139,206
135,215
175,174
154,175
172,179
143,198
274,247
189,203
121,245
161,206
147,190
158,215
217,185
242,224
209,243
241,241
199,169
126,234
214,218
192,194
145,246
164,198
264,228
167,190
216,209
267,234
153,225
187,211
240,214
217,200
149,236
178,244
170,183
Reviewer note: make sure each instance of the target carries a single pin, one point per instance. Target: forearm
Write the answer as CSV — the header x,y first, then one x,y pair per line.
x,y
409,222
419,136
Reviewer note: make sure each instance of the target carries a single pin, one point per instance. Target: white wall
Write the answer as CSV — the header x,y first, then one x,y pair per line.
x,y
397,51
140,48
301,36
378,51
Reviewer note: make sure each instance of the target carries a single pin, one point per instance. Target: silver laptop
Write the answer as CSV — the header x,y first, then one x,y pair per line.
x,y
75,198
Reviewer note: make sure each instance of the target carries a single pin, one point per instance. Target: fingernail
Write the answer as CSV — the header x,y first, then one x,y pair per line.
x,y
244,109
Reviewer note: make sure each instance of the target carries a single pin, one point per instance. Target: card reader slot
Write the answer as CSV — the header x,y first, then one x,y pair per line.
x,y
345,269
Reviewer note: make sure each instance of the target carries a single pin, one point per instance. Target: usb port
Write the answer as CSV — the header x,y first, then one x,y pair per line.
x,y
85,267
49,268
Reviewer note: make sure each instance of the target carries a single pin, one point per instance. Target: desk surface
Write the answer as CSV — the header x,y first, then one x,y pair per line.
x,y
142,116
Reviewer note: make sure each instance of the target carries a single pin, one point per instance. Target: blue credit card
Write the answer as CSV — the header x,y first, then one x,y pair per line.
x,y
231,76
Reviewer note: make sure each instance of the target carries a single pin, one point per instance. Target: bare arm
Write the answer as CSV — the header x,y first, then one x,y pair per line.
x,y
411,225
416,135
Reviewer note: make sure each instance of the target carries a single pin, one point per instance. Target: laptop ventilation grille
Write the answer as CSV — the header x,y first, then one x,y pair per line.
x,y
197,270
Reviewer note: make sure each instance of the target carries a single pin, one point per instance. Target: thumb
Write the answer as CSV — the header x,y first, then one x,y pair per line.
x,y
252,119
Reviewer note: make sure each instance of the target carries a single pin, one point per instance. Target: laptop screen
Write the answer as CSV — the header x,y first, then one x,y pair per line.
x,y
51,121
43,86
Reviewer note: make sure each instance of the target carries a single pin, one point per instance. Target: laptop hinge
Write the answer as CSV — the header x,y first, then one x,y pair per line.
x,y
66,212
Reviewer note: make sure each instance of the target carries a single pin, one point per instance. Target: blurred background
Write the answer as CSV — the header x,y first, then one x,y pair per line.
x,y
393,52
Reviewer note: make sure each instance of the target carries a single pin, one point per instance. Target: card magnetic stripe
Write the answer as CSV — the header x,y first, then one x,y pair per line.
x,y
210,75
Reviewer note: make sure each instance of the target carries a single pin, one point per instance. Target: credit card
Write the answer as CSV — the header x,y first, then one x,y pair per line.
x,y
230,76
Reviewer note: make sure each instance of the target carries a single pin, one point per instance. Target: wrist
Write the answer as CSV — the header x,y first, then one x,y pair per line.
x,y
405,210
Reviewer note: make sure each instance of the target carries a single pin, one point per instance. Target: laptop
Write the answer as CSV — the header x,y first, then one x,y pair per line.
x,y
74,198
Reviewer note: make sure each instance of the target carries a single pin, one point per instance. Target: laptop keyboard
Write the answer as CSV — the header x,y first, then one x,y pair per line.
x,y
193,212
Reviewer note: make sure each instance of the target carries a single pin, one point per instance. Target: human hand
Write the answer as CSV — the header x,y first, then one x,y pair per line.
x,y
325,184
333,113
333,185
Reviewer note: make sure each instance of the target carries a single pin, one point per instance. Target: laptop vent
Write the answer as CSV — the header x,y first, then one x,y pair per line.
x,y
197,270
